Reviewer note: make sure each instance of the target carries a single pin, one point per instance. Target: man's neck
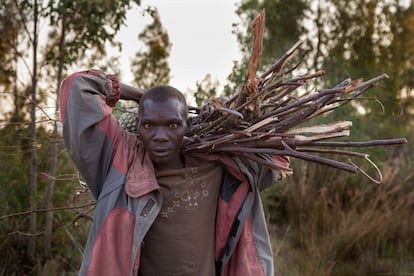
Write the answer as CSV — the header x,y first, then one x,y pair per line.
x,y
176,163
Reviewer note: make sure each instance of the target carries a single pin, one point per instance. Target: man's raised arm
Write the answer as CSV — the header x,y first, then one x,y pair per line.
x,y
90,132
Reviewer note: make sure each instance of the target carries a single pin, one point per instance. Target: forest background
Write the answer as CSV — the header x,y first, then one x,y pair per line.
x,y
322,221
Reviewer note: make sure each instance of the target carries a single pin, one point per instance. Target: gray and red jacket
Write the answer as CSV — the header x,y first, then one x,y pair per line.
x,y
121,177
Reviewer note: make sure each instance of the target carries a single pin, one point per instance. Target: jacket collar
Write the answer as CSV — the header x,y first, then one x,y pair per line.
x,y
140,179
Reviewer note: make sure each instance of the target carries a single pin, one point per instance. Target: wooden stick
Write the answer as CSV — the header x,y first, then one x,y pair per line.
x,y
251,85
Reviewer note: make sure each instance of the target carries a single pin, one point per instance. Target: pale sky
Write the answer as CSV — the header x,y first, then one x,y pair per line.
x,y
201,37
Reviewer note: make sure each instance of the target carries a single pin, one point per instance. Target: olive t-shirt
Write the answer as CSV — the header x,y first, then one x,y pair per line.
x,y
181,240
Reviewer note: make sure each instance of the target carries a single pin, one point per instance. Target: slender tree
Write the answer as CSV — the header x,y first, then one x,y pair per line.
x,y
150,66
33,132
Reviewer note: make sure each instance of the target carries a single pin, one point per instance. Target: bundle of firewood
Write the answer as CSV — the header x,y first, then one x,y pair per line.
x,y
265,114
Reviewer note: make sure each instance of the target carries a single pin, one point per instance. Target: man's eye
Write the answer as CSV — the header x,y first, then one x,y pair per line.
x,y
173,125
147,125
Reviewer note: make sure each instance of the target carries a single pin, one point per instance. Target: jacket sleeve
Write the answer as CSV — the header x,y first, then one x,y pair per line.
x,y
264,176
90,132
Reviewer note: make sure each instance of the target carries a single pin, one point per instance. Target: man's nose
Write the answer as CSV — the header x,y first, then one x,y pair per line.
x,y
160,134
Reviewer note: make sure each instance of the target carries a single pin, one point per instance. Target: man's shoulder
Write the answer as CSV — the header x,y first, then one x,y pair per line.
x,y
192,160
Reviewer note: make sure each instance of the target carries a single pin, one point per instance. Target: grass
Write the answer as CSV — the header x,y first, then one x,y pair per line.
x,y
329,225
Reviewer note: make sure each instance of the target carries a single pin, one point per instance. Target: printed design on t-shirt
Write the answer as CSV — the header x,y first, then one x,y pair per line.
x,y
187,196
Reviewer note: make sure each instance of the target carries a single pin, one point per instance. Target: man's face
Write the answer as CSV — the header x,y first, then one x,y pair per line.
x,y
161,129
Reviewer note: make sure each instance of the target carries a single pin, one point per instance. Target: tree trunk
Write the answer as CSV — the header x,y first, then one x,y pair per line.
x,y
49,191
54,145
319,29
33,136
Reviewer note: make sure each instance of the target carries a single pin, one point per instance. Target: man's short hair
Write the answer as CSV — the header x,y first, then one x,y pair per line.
x,y
163,93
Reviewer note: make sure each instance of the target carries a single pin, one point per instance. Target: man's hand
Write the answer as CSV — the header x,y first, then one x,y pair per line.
x,y
282,161
131,93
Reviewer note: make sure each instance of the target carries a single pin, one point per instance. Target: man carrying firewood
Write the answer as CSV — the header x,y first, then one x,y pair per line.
x,y
159,210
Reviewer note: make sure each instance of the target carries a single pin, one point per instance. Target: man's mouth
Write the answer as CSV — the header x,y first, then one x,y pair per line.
x,y
160,152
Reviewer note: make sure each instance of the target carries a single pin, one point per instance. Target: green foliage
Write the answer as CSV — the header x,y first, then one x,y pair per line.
x,y
14,195
369,38
150,67
81,26
205,89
